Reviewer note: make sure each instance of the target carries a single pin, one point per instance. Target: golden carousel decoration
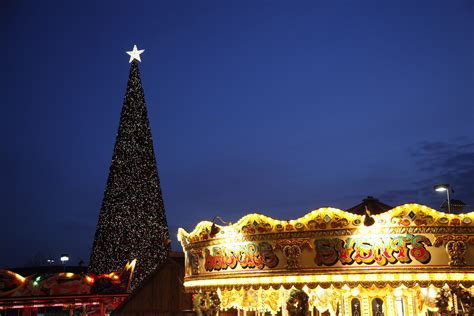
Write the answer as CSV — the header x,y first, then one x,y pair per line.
x,y
410,260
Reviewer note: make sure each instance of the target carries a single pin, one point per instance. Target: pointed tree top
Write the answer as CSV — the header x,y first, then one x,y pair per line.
x,y
135,54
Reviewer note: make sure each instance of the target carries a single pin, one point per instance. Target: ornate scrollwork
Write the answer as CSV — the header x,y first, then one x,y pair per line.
x,y
194,261
444,239
280,244
292,254
292,250
456,250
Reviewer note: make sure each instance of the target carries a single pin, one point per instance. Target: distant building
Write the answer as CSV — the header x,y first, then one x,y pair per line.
x,y
373,205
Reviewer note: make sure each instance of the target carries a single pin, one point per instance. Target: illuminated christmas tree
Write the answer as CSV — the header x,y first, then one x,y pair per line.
x,y
132,222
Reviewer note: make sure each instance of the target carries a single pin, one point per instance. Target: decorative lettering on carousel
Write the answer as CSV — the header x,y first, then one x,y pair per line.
x,y
367,250
248,256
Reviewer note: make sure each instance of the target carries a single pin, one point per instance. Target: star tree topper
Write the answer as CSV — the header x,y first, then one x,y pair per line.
x,y
135,54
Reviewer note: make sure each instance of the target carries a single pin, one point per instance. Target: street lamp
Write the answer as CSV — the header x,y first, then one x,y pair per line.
x,y
444,187
64,258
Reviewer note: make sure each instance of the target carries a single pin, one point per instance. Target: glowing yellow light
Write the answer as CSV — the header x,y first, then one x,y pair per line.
x,y
407,277
423,276
327,278
319,291
352,278
432,292
89,279
355,292
17,276
131,265
443,276
371,277
338,278
390,277
456,276
398,292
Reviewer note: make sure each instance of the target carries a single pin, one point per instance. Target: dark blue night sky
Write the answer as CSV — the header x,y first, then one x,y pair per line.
x,y
278,107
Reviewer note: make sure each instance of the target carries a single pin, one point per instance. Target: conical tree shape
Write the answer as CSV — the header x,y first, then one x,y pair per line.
x,y
132,221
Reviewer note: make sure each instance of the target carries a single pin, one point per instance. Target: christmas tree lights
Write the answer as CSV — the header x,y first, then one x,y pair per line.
x,y
132,221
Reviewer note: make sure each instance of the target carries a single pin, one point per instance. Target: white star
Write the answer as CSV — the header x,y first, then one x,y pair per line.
x,y
135,54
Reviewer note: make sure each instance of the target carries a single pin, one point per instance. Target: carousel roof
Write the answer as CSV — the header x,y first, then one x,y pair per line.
x,y
327,219
409,244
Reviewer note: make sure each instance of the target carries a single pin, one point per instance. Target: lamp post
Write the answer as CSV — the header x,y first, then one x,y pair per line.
x,y
444,187
64,258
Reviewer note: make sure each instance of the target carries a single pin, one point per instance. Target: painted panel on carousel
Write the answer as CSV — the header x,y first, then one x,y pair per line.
x,y
411,235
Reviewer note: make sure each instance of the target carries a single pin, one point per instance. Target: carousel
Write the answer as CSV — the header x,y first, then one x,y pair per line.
x,y
409,260
63,293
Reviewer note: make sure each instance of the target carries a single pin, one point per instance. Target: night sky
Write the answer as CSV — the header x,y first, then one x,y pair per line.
x,y
278,107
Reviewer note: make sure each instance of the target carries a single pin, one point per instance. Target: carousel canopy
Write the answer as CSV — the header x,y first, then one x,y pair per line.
x,y
409,245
